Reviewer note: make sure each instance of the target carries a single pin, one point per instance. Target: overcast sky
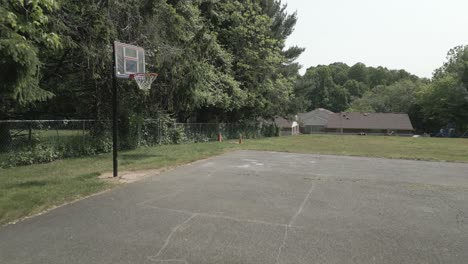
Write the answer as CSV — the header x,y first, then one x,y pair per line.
x,y
414,35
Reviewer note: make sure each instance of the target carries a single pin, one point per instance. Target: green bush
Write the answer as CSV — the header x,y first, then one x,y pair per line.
x,y
68,148
270,130
102,144
40,154
84,146
178,135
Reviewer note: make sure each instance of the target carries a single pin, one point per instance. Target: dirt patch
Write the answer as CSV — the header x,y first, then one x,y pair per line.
x,y
130,176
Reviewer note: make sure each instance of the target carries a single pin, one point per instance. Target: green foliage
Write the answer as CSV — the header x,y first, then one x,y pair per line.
x,y
84,146
457,64
359,72
254,32
222,61
337,86
24,35
46,147
340,72
219,61
177,135
395,98
39,154
446,101
270,130
355,88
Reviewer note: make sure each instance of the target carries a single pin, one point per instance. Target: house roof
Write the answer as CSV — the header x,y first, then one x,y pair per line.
x,y
370,121
285,123
317,117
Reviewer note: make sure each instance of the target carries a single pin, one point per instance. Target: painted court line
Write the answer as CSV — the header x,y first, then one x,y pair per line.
x,y
283,243
291,222
168,239
299,211
184,261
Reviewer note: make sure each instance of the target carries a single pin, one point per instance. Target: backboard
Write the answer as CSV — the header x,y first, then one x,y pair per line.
x,y
129,59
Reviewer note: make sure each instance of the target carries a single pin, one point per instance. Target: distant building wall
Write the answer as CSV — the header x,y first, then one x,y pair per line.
x,y
381,132
312,129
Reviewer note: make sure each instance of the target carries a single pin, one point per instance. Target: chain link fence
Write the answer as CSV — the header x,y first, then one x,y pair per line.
x,y
24,134
24,142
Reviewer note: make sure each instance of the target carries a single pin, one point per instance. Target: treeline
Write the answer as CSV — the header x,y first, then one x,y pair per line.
x,y
218,60
441,102
337,85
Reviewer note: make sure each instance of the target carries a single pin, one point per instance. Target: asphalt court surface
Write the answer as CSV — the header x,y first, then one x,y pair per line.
x,y
261,207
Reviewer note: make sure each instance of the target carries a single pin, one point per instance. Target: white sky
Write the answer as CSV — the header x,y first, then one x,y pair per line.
x,y
414,35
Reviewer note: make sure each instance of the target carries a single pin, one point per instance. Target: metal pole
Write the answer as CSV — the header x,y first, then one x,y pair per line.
x,y
115,122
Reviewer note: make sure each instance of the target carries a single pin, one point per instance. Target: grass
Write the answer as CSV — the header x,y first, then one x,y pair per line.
x,y
31,189
436,149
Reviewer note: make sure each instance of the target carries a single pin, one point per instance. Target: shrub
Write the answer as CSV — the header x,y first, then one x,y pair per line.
x,y
84,146
40,154
71,147
270,130
178,135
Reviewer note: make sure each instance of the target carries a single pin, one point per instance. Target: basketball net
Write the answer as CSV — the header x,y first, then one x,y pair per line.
x,y
144,80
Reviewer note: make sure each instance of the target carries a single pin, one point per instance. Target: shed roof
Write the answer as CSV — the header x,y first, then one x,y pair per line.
x,y
370,121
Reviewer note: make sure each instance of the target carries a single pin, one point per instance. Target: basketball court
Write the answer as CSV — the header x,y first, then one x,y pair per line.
x,y
261,207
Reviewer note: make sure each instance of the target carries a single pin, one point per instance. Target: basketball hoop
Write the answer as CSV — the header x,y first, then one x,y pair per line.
x,y
144,80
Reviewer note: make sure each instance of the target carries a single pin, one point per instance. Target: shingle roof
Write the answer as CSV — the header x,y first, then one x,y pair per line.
x,y
284,123
370,121
317,117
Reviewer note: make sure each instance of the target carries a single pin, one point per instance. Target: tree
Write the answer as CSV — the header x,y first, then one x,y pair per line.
x,y
317,88
218,60
338,87
340,72
379,76
24,38
446,101
396,98
340,98
457,63
23,35
355,88
359,72
254,33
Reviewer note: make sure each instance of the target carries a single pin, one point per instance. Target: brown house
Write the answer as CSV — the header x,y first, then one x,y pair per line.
x,y
369,123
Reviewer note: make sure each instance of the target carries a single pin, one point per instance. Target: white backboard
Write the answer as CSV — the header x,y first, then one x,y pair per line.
x,y
129,59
